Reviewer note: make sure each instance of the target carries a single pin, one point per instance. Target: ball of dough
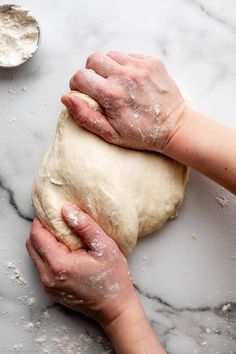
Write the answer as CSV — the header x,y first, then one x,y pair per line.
x,y
128,193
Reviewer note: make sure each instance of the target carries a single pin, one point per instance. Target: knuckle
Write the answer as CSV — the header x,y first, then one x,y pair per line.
x,y
111,53
145,69
61,275
108,136
56,267
85,224
148,65
78,76
93,58
59,270
47,282
159,64
79,115
34,238
81,120
112,94
75,113
134,76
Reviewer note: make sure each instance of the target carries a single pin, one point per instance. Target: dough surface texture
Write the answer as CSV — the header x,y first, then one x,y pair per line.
x,y
129,193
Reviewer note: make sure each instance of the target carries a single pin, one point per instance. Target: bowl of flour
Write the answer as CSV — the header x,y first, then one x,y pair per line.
x,y
19,35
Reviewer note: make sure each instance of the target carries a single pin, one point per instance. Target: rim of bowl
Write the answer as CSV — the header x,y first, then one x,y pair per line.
x,y
4,7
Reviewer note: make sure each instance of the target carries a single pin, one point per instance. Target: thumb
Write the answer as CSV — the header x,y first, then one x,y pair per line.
x,y
85,227
88,117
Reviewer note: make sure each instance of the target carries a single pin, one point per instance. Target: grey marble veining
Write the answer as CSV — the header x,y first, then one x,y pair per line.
x,y
185,275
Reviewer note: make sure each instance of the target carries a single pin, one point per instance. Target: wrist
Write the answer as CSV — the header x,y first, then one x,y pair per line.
x,y
115,310
206,146
178,132
173,123
130,332
125,312
182,143
110,310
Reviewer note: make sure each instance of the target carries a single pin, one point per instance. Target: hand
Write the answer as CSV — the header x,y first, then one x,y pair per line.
x,y
142,105
94,281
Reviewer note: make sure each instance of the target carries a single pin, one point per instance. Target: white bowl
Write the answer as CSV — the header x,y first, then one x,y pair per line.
x,y
7,7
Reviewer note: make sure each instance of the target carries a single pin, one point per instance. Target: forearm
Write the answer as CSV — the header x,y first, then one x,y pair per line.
x,y
130,333
207,147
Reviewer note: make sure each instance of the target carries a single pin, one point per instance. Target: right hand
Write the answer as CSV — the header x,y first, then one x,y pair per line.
x,y
143,107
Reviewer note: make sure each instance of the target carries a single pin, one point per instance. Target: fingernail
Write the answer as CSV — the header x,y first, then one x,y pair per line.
x,y
71,213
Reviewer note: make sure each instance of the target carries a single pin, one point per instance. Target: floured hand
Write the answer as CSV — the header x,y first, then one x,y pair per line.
x,y
95,280
142,106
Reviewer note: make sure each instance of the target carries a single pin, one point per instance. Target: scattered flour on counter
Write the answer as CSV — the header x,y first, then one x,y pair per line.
x,y
45,315
31,301
16,347
204,343
226,307
14,273
29,326
28,300
12,91
35,326
222,201
62,342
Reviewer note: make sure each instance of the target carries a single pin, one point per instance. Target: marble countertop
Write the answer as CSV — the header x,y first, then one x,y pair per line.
x,y
185,275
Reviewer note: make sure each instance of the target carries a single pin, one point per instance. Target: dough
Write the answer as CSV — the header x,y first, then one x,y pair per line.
x,y
129,193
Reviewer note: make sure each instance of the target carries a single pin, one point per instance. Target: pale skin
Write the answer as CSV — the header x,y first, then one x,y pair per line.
x,y
142,109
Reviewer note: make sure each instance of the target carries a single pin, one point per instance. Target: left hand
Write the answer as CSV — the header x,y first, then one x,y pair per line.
x,y
94,281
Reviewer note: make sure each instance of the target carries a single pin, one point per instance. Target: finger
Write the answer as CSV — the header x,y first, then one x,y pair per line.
x,y
86,228
37,260
140,56
119,57
92,84
45,273
88,117
45,243
103,65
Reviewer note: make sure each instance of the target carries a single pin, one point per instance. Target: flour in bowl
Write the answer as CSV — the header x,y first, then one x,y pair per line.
x,y
19,34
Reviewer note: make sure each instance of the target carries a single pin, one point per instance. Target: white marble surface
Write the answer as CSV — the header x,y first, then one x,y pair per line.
x,y
186,274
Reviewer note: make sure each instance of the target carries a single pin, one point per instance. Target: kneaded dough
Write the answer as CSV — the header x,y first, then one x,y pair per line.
x,y
129,193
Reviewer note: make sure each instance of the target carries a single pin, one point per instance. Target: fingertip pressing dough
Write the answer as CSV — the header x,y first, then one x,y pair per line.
x,y
129,193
